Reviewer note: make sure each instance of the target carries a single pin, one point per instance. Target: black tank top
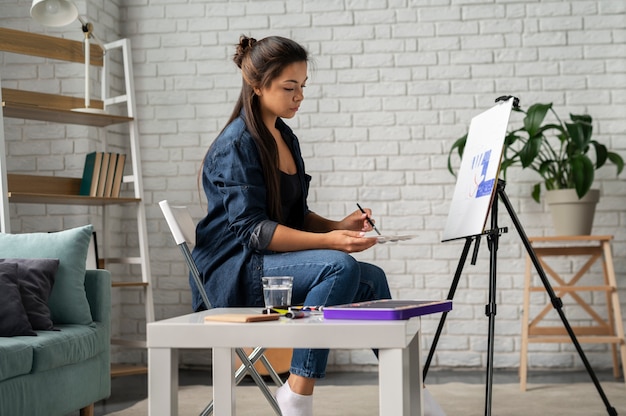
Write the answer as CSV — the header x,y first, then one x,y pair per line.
x,y
290,194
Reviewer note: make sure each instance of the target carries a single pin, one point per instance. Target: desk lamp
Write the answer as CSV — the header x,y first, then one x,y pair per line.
x,y
61,13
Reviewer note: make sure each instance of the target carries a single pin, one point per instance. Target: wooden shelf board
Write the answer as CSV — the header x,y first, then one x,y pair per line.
x,y
38,189
121,370
123,260
129,284
131,343
574,289
580,331
59,115
26,198
598,339
45,46
571,238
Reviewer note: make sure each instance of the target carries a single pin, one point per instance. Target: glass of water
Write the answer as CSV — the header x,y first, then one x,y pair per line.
x,y
277,291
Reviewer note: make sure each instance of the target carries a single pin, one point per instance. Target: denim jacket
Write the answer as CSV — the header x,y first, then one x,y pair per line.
x,y
229,250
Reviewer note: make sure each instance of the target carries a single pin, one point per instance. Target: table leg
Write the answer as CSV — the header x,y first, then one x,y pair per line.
x,y
400,381
224,381
162,381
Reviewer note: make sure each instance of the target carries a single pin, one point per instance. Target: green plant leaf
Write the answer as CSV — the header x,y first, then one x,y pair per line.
x,y
459,146
617,160
582,172
511,138
584,123
505,164
582,118
534,117
529,152
536,194
601,153
580,136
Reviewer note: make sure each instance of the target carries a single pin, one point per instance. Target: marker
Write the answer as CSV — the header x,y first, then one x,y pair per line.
x,y
368,219
297,314
313,308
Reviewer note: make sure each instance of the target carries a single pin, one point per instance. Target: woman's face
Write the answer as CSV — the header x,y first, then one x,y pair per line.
x,y
285,93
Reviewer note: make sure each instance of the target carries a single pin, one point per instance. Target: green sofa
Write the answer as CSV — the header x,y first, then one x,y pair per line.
x,y
67,367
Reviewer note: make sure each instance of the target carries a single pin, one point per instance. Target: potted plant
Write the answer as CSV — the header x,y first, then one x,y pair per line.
x,y
559,152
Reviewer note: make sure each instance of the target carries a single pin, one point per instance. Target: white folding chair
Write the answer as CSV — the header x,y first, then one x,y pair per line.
x,y
183,230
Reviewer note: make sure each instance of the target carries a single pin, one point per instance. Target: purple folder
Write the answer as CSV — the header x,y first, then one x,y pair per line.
x,y
387,309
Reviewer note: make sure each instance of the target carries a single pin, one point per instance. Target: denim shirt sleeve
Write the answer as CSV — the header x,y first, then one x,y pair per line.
x,y
262,235
233,174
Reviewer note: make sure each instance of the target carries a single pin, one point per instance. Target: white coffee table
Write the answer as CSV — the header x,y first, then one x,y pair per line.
x,y
400,381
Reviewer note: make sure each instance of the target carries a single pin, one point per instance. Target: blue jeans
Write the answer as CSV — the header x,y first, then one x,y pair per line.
x,y
325,278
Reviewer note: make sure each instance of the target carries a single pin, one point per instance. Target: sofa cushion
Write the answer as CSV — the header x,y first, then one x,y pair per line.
x,y
68,302
35,278
16,357
69,345
13,318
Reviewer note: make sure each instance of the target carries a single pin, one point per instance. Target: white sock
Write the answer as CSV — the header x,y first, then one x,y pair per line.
x,y
431,407
293,404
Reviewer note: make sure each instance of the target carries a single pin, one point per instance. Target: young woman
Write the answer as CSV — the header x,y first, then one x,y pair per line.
x,y
258,222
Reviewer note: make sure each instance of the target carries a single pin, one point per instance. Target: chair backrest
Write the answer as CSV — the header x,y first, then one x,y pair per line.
x,y
180,222
183,230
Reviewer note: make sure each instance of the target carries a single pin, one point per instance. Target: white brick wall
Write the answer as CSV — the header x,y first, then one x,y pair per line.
x,y
393,84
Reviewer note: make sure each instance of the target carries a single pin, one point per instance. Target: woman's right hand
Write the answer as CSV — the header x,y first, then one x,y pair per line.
x,y
287,239
349,241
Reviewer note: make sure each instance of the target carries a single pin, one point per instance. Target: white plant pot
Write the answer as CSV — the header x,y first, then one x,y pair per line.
x,y
570,215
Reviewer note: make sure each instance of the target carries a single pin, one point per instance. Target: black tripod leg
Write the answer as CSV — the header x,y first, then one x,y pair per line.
x,y
556,301
493,238
455,283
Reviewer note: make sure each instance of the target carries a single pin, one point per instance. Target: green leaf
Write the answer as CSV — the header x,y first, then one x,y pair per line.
x,y
617,160
582,172
529,152
584,121
582,118
459,146
511,138
535,116
601,153
536,192
580,136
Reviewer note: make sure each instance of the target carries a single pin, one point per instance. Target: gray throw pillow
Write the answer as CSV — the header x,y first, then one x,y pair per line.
x,y
13,318
35,278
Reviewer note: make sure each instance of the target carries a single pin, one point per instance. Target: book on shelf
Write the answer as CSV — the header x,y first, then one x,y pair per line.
x,y
103,174
118,178
108,184
91,174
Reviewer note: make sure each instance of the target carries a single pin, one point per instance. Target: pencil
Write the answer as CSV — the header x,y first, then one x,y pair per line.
x,y
368,219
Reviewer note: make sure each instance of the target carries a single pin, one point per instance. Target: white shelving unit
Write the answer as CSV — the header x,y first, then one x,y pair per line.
x,y
31,189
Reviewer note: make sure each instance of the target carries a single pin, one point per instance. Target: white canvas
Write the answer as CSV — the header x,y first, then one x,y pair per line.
x,y
477,177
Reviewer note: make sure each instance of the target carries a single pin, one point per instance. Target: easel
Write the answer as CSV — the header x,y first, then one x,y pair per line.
x,y
493,236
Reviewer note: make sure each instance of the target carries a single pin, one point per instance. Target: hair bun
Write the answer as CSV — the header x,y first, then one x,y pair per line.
x,y
245,42
244,46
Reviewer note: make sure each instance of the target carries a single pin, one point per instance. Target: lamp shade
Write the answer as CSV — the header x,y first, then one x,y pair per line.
x,y
54,12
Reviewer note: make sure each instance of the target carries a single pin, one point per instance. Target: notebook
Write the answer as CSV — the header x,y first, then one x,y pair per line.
x,y
387,309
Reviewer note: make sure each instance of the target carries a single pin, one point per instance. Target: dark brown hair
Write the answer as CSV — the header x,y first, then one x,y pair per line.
x,y
260,63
